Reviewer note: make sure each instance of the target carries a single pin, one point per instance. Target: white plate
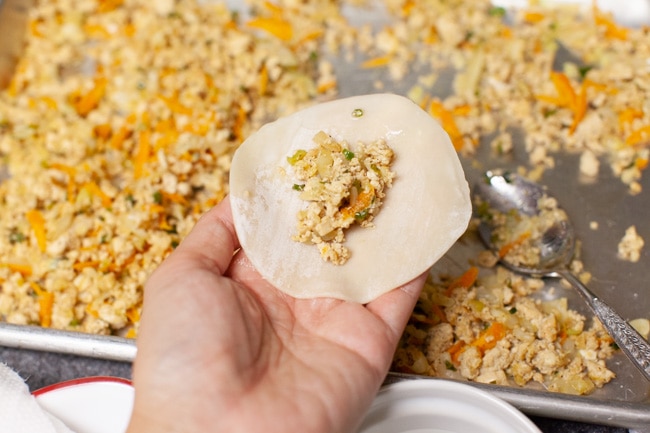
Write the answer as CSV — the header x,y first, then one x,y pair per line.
x,y
90,405
441,406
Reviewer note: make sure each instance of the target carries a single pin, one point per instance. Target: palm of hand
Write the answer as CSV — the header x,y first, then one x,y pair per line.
x,y
222,350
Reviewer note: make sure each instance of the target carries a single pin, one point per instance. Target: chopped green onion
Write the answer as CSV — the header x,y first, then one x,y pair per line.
x,y
513,310
16,237
293,159
348,154
497,11
361,215
157,197
449,365
357,112
298,187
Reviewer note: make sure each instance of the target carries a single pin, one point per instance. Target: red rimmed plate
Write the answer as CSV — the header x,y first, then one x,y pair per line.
x,y
90,405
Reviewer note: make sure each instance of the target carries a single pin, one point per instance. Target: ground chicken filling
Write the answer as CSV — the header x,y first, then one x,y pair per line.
x,y
488,329
343,186
517,237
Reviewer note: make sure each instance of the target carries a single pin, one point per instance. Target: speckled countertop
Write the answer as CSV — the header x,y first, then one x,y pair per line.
x,y
40,369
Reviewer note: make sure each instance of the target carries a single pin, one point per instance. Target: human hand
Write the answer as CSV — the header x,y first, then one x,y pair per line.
x,y
221,350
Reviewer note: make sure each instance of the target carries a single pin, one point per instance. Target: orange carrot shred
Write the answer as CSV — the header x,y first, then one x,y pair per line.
x,y
45,303
142,154
490,337
90,100
376,62
277,27
504,250
37,222
446,117
639,136
24,270
455,350
466,280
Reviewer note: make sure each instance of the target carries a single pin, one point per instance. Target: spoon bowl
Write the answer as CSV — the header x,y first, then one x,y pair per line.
x,y
553,244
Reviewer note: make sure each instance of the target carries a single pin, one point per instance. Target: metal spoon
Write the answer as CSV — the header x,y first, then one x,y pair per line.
x,y
504,192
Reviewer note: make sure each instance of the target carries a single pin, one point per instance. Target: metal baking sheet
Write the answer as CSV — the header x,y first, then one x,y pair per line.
x,y
624,402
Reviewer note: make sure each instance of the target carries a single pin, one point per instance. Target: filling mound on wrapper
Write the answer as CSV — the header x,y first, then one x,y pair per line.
x,y
348,199
343,186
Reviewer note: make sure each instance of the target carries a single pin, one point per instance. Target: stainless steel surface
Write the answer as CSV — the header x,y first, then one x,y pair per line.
x,y
13,22
75,343
506,192
625,401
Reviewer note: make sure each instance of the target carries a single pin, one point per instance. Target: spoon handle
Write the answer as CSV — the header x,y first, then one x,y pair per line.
x,y
628,339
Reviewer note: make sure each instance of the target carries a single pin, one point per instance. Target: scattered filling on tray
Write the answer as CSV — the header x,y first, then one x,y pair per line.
x,y
120,122
489,330
630,246
517,236
117,130
343,185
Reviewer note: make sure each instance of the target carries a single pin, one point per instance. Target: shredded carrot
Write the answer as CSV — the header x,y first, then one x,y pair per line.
x,y
264,80
142,154
96,31
49,102
93,189
504,250
506,32
534,17
175,106
273,8
566,96
120,136
639,136
565,93
156,208
45,303
114,267
131,333
275,26
238,126
129,30
364,199
37,222
311,36
175,197
465,281
71,172
376,62
90,100
612,30
446,117
629,115
326,86
108,5
455,350
103,131
163,224
24,270
580,109
90,310
439,313
34,28
407,7
133,314
490,337
89,264
641,163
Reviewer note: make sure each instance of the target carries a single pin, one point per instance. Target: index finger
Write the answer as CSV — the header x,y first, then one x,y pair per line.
x,y
396,306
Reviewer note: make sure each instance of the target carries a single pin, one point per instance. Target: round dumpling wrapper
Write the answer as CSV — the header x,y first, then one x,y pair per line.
x,y
424,212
